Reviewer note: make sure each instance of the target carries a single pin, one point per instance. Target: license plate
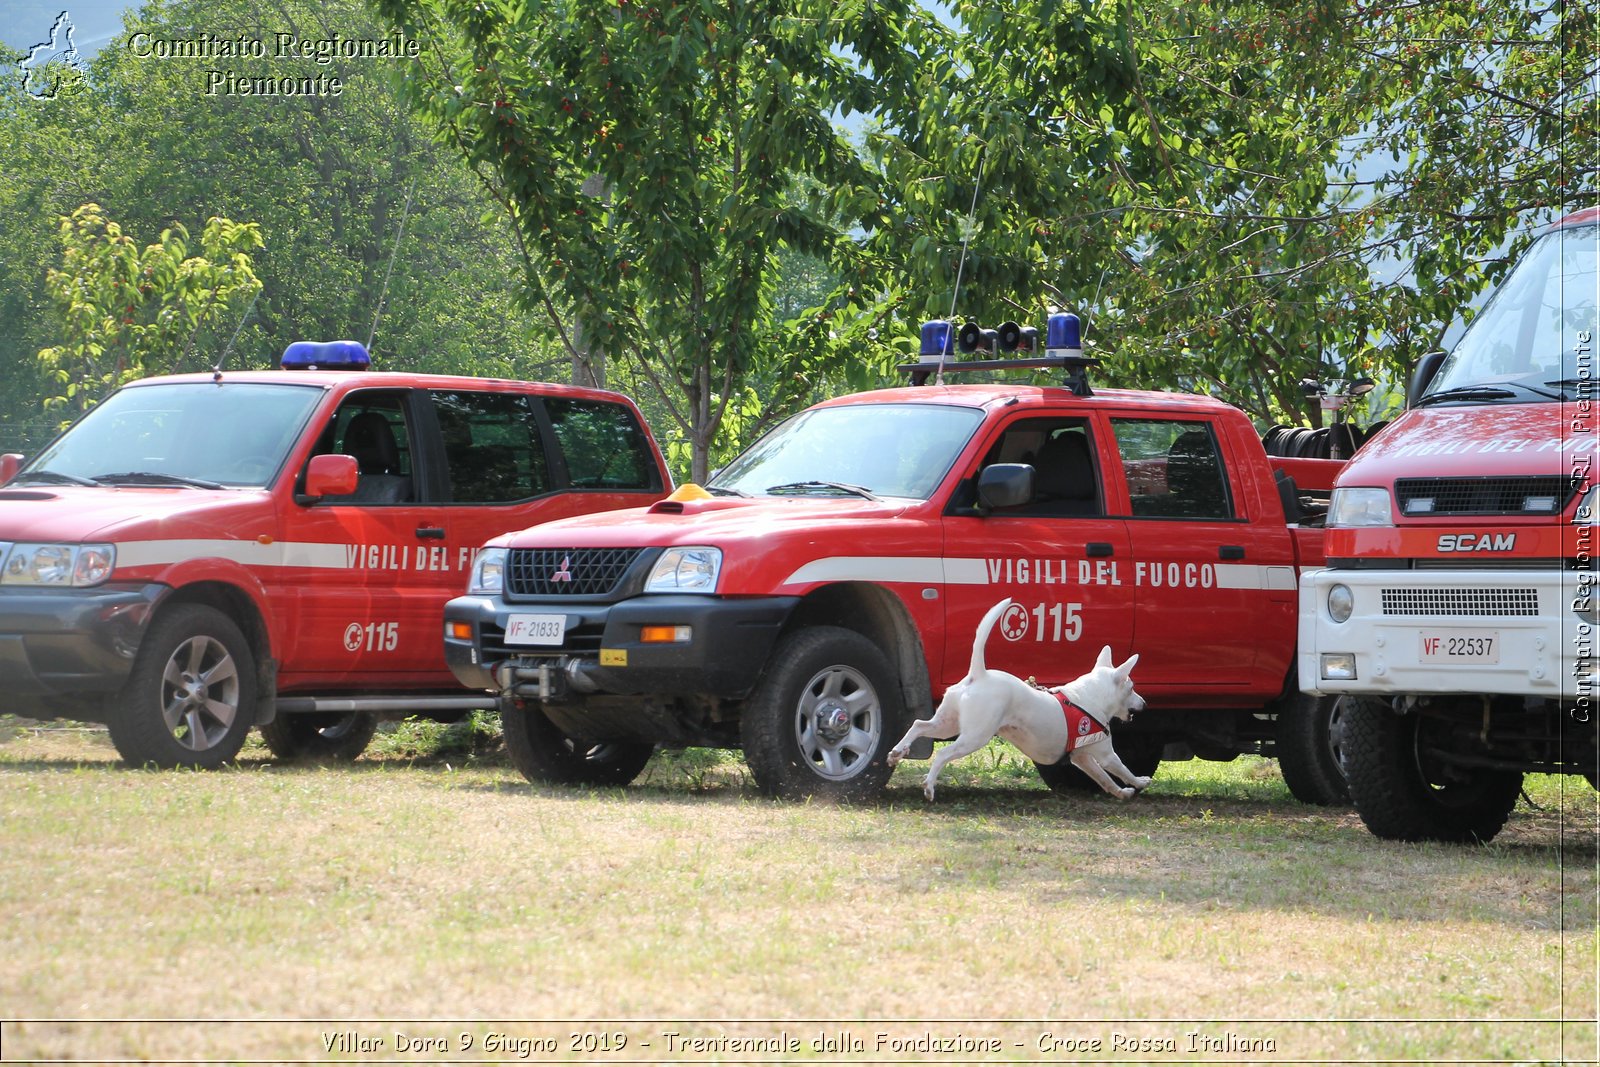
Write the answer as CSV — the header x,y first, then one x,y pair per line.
x,y
536,629
1459,646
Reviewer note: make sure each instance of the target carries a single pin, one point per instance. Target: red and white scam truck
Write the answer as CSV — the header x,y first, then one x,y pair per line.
x,y
1456,618
200,554
827,584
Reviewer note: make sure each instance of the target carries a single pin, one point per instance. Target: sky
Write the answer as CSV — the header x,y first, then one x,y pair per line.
x,y
27,22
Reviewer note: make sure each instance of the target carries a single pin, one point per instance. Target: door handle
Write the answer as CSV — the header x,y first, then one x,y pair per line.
x,y
431,533
1098,549
1231,552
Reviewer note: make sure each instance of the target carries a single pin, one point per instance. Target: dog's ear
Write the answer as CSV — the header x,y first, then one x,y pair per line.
x,y
1127,668
1105,657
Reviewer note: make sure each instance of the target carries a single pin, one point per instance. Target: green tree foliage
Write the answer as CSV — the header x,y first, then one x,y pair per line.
x,y
650,155
1240,194
371,229
125,309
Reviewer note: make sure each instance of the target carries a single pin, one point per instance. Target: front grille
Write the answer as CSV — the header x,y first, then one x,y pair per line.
x,y
1461,602
547,572
1543,494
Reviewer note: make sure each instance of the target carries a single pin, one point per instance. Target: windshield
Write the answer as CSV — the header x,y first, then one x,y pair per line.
x,y
1537,333
899,450
193,433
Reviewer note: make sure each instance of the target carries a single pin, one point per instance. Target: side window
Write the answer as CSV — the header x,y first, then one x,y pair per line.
x,y
1174,469
492,446
1066,478
373,428
603,444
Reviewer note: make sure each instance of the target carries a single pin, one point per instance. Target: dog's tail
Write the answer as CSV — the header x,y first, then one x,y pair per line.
x,y
977,670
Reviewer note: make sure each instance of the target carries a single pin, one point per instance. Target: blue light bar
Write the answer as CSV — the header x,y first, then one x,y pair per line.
x,y
1063,331
936,338
326,355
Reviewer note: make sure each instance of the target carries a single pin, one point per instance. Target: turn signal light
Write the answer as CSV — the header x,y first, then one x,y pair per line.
x,y
665,635
461,631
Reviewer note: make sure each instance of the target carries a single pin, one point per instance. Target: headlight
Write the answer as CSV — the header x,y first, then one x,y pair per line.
x,y
1360,507
686,570
488,573
64,565
1586,509
1340,602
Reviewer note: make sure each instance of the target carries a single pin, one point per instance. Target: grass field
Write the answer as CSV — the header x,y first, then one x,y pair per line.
x,y
275,913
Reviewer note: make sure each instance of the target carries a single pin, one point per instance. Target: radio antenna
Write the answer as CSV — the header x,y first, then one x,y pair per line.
x,y
961,264
227,349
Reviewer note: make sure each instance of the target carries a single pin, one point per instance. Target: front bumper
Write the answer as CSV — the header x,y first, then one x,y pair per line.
x,y
729,640
63,651
1540,625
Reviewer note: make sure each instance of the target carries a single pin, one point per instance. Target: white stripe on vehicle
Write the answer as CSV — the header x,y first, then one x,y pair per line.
x,y
252,553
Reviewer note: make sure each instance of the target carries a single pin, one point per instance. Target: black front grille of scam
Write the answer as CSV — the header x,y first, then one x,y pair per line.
x,y
1543,494
547,572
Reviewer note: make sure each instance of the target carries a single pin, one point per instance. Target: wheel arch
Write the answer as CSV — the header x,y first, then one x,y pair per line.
x,y
882,618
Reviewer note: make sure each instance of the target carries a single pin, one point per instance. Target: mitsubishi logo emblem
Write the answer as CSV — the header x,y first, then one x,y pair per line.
x,y
563,573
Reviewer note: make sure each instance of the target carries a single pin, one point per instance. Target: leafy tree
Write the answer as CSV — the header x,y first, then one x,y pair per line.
x,y
648,155
125,309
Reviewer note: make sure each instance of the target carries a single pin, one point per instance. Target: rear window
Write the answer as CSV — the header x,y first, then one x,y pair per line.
x,y
603,444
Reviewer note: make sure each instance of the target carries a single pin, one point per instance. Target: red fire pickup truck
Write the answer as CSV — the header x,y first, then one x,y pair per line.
x,y
825,587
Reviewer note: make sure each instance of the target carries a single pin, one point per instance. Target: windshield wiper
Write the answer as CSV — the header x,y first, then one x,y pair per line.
x,y
1467,392
152,478
841,487
722,490
52,477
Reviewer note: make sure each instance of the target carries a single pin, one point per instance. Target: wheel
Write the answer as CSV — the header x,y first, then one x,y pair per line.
x,y
1404,793
547,756
1140,753
191,697
823,717
320,736
1309,739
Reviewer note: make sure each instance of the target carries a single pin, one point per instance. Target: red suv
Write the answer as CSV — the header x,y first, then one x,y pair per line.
x,y
200,554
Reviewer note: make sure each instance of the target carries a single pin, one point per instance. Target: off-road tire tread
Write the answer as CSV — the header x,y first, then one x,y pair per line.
x,y
1389,792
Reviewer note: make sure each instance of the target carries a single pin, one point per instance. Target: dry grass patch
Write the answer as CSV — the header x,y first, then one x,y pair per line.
x,y
447,888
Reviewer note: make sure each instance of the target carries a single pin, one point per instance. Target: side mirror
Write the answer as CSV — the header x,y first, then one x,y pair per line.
x,y
331,475
1427,367
1005,485
10,464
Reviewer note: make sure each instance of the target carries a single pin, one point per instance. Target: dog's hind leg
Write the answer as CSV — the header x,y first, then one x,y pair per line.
x,y
944,722
964,745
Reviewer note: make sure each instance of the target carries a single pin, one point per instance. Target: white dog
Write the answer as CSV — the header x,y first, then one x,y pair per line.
x,y
1048,725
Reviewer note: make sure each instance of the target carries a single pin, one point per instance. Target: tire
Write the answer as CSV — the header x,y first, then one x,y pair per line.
x,y
191,698
1404,794
823,717
320,736
546,756
1309,743
1140,754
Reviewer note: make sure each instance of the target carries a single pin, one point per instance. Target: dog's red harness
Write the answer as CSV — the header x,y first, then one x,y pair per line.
x,y
1082,727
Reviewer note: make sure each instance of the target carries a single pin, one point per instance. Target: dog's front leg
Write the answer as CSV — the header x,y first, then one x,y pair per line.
x,y
1119,770
1085,762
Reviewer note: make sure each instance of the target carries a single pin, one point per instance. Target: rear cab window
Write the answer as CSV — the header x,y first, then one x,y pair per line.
x,y
1174,469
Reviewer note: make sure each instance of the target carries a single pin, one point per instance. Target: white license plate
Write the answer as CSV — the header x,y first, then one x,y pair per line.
x,y
1459,646
536,629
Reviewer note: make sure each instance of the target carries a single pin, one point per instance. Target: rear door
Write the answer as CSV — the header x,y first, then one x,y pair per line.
x,y
1214,588
1061,558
